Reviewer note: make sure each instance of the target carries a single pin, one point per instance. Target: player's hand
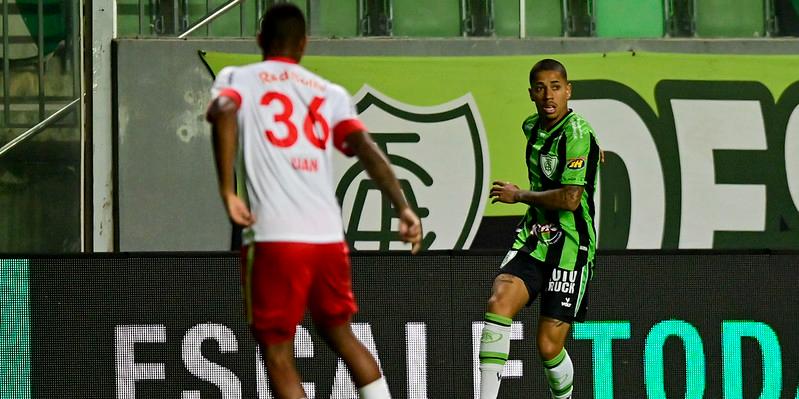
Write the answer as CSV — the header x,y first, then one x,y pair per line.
x,y
601,155
237,210
410,229
503,191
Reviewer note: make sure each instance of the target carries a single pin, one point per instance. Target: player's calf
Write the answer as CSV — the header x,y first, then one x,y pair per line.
x,y
494,349
560,375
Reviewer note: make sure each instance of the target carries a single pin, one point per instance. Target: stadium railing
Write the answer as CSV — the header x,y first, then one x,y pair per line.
x,y
523,18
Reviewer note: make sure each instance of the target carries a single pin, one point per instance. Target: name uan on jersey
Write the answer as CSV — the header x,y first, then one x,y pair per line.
x,y
305,164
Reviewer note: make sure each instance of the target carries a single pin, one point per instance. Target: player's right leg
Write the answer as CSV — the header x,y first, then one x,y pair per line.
x,y
510,292
563,302
332,305
276,280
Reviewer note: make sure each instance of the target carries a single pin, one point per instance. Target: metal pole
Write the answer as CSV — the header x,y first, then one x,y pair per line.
x,y
390,22
141,16
770,19
76,46
39,127
6,68
210,17
40,61
522,20
259,12
101,161
86,211
241,20
176,17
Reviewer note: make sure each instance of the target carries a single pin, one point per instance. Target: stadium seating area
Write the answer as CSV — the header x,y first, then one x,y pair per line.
x,y
453,18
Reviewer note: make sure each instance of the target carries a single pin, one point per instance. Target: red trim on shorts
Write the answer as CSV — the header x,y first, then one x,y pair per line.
x,y
282,59
231,94
344,129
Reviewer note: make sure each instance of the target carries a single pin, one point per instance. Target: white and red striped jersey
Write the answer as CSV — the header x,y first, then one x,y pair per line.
x,y
289,121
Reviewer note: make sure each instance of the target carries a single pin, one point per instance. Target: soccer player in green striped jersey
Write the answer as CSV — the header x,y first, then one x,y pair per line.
x,y
553,253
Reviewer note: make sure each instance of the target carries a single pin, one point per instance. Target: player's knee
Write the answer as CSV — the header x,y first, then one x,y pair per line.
x,y
548,348
335,330
496,305
279,357
501,304
274,334
331,318
329,314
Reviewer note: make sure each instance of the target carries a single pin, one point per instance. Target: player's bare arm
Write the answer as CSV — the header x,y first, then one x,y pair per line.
x,y
565,198
379,169
224,126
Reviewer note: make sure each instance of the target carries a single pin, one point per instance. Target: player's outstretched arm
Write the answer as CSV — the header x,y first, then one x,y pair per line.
x,y
566,198
224,129
379,169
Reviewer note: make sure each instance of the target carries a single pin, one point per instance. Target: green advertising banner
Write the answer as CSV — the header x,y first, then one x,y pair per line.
x,y
15,315
702,151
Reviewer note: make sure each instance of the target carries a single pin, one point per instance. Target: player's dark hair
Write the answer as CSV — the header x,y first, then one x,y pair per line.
x,y
282,28
547,64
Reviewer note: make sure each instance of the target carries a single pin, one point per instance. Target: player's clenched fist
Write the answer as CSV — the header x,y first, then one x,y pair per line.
x,y
503,191
410,229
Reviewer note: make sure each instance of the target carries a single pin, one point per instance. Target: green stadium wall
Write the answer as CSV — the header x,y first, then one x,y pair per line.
x,y
701,137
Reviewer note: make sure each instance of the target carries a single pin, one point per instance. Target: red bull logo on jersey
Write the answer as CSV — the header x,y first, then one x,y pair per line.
x,y
445,189
267,77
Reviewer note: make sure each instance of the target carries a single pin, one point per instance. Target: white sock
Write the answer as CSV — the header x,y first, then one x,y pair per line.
x,y
377,389
560,374
494,349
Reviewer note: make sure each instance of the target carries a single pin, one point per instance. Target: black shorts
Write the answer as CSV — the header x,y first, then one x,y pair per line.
x,y
563,292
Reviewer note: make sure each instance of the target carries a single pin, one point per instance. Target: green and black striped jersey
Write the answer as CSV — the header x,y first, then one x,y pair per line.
x,y
566,154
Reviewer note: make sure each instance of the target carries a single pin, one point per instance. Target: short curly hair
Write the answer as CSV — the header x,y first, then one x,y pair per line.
x,y
282,27
547,64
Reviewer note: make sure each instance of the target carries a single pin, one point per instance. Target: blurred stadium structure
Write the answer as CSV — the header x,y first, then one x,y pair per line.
x,y
59,181
530,18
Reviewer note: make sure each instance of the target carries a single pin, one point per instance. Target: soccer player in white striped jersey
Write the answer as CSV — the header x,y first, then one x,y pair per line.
x,y
285,121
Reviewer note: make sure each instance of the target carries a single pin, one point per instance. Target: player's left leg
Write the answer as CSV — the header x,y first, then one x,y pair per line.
x,y
332,305
558,366
276,280
516,285
283,376
363,367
